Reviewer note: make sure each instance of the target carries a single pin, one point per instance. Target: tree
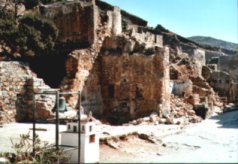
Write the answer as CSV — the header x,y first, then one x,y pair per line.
x,y
8,32
32,35
37,35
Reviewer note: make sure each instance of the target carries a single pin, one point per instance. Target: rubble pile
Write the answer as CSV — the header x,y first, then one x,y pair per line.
x,y
181,113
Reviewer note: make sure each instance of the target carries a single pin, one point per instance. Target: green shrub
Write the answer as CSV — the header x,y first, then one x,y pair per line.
x,y
32,36
8,32
37,35
8,28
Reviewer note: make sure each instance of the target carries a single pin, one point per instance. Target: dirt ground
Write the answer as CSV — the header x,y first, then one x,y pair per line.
x,y
214,140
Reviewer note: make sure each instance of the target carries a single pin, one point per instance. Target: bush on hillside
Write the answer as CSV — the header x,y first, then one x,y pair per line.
x,y
32,36
37,35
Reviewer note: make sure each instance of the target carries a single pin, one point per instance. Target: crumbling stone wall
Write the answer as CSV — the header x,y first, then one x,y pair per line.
x,y
13,76
118,85
146,37
76,21
16,92
223,84
83,75
27,101
182,88
233,92
229,64
134,85
213,54
116,21
199,59
220,81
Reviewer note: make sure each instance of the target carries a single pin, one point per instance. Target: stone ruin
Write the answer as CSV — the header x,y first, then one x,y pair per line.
x,y
17,85
126,71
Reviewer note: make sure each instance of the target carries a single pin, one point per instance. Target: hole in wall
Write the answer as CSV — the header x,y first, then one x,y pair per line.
x,y
50,68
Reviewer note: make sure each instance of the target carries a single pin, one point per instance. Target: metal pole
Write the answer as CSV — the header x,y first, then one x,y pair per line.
x,y
34,123
79,126
57,121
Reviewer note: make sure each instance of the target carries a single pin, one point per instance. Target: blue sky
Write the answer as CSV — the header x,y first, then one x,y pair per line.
x,y
215,18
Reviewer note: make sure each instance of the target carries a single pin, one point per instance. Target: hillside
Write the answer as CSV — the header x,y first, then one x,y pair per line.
x,y
214,42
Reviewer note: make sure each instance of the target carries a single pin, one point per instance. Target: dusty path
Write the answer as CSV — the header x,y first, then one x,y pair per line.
x,y
213,140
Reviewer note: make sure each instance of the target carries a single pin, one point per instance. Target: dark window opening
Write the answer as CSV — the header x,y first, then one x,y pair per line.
x,y
83,98
92,138
51,68
68,127
75,129
139,93
90,128
111,91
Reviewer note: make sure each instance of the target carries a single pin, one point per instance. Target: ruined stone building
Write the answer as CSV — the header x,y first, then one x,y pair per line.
x,y
125,70
225,78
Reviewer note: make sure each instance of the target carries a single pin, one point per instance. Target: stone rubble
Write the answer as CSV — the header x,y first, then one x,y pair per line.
x,y
181,114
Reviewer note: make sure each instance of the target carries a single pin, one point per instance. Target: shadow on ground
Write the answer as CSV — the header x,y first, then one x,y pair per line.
x,y
228,119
